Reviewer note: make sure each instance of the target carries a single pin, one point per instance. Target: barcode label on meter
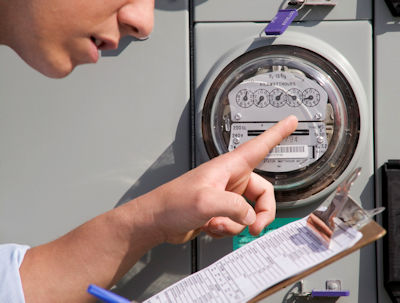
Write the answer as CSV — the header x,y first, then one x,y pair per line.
x,y
288,151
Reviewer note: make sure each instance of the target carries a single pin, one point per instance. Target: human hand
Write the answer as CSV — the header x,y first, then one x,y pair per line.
x,y
210,197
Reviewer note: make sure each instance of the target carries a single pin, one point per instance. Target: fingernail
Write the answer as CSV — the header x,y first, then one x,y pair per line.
x,y
250,217
219,230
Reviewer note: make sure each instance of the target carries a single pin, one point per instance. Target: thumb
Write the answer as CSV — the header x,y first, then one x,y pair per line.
x,y
229,204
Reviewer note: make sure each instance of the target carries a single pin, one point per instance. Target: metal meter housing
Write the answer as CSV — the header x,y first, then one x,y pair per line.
x,y
271,81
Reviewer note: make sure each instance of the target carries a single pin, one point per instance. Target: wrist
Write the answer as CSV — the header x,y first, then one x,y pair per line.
x,y
138,215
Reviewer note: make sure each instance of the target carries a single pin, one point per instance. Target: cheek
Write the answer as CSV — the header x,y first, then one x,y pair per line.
x,y
59,33
73,16
95,11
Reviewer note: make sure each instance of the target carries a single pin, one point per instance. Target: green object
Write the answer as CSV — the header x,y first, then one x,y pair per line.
x,y
245,237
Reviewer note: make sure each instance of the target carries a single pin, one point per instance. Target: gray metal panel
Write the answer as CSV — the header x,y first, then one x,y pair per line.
x,y
72,148
265,10
213,42
387,106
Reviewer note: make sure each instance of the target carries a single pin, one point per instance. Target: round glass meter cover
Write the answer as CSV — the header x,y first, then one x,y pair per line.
x,y
267,84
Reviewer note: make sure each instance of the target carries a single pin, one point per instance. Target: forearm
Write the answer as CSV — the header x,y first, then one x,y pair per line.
x,y
100,251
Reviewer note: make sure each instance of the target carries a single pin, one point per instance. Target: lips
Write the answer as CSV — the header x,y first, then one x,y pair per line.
x,y
100,43
96,41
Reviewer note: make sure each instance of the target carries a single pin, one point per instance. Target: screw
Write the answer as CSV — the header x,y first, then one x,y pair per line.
x,y
236,140
318,116
320,139
333,285
238,116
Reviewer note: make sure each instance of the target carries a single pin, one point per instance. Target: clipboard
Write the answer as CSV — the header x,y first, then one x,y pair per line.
x,y
198,288
269,263
343,209
371,232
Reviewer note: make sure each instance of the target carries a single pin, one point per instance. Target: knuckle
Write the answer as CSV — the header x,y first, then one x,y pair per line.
x,y
239,207
269,186
237,202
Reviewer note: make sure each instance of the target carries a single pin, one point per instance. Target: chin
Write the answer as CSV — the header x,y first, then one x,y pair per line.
x,y
55,71
51,68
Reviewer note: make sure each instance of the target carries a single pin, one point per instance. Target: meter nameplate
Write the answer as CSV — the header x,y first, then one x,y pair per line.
x,y
305,146
273,96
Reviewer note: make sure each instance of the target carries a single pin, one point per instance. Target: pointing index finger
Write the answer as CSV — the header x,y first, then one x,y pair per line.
x,y
255,150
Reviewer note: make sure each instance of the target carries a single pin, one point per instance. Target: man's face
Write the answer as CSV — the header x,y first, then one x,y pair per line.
x,y
54,36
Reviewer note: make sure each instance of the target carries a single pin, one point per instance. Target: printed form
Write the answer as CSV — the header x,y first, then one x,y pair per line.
x,y
246,272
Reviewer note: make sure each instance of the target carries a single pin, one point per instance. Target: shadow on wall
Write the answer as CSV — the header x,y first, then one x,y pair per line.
x,y
166,263
173,5
163,5
173,162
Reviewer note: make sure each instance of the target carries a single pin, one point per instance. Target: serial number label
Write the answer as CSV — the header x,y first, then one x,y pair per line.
x,y
288,151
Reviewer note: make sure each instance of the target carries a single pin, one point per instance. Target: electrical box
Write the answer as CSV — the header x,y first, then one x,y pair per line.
x,y
246,81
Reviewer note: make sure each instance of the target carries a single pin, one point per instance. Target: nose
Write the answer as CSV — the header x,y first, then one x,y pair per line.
x,y
137,18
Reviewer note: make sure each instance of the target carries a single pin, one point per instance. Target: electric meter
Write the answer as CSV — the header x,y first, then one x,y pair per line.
x,y
267,84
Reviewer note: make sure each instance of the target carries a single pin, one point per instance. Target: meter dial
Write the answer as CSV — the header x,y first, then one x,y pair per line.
x,y
277,97
294,97
261,97
319,151
244,98
311,97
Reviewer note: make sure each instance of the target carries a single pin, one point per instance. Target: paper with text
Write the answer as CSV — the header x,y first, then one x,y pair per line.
x,y
246,272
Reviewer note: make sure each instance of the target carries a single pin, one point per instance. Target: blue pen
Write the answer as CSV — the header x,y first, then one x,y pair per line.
x,y
105,295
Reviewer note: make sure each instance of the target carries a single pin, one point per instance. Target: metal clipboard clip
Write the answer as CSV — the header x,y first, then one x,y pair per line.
x,y
342,210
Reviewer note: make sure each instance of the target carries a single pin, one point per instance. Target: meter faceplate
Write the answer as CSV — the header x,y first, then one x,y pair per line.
x,y
267,84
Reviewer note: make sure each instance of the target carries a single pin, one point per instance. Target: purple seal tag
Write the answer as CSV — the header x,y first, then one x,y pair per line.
x,y
281,21
330,293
